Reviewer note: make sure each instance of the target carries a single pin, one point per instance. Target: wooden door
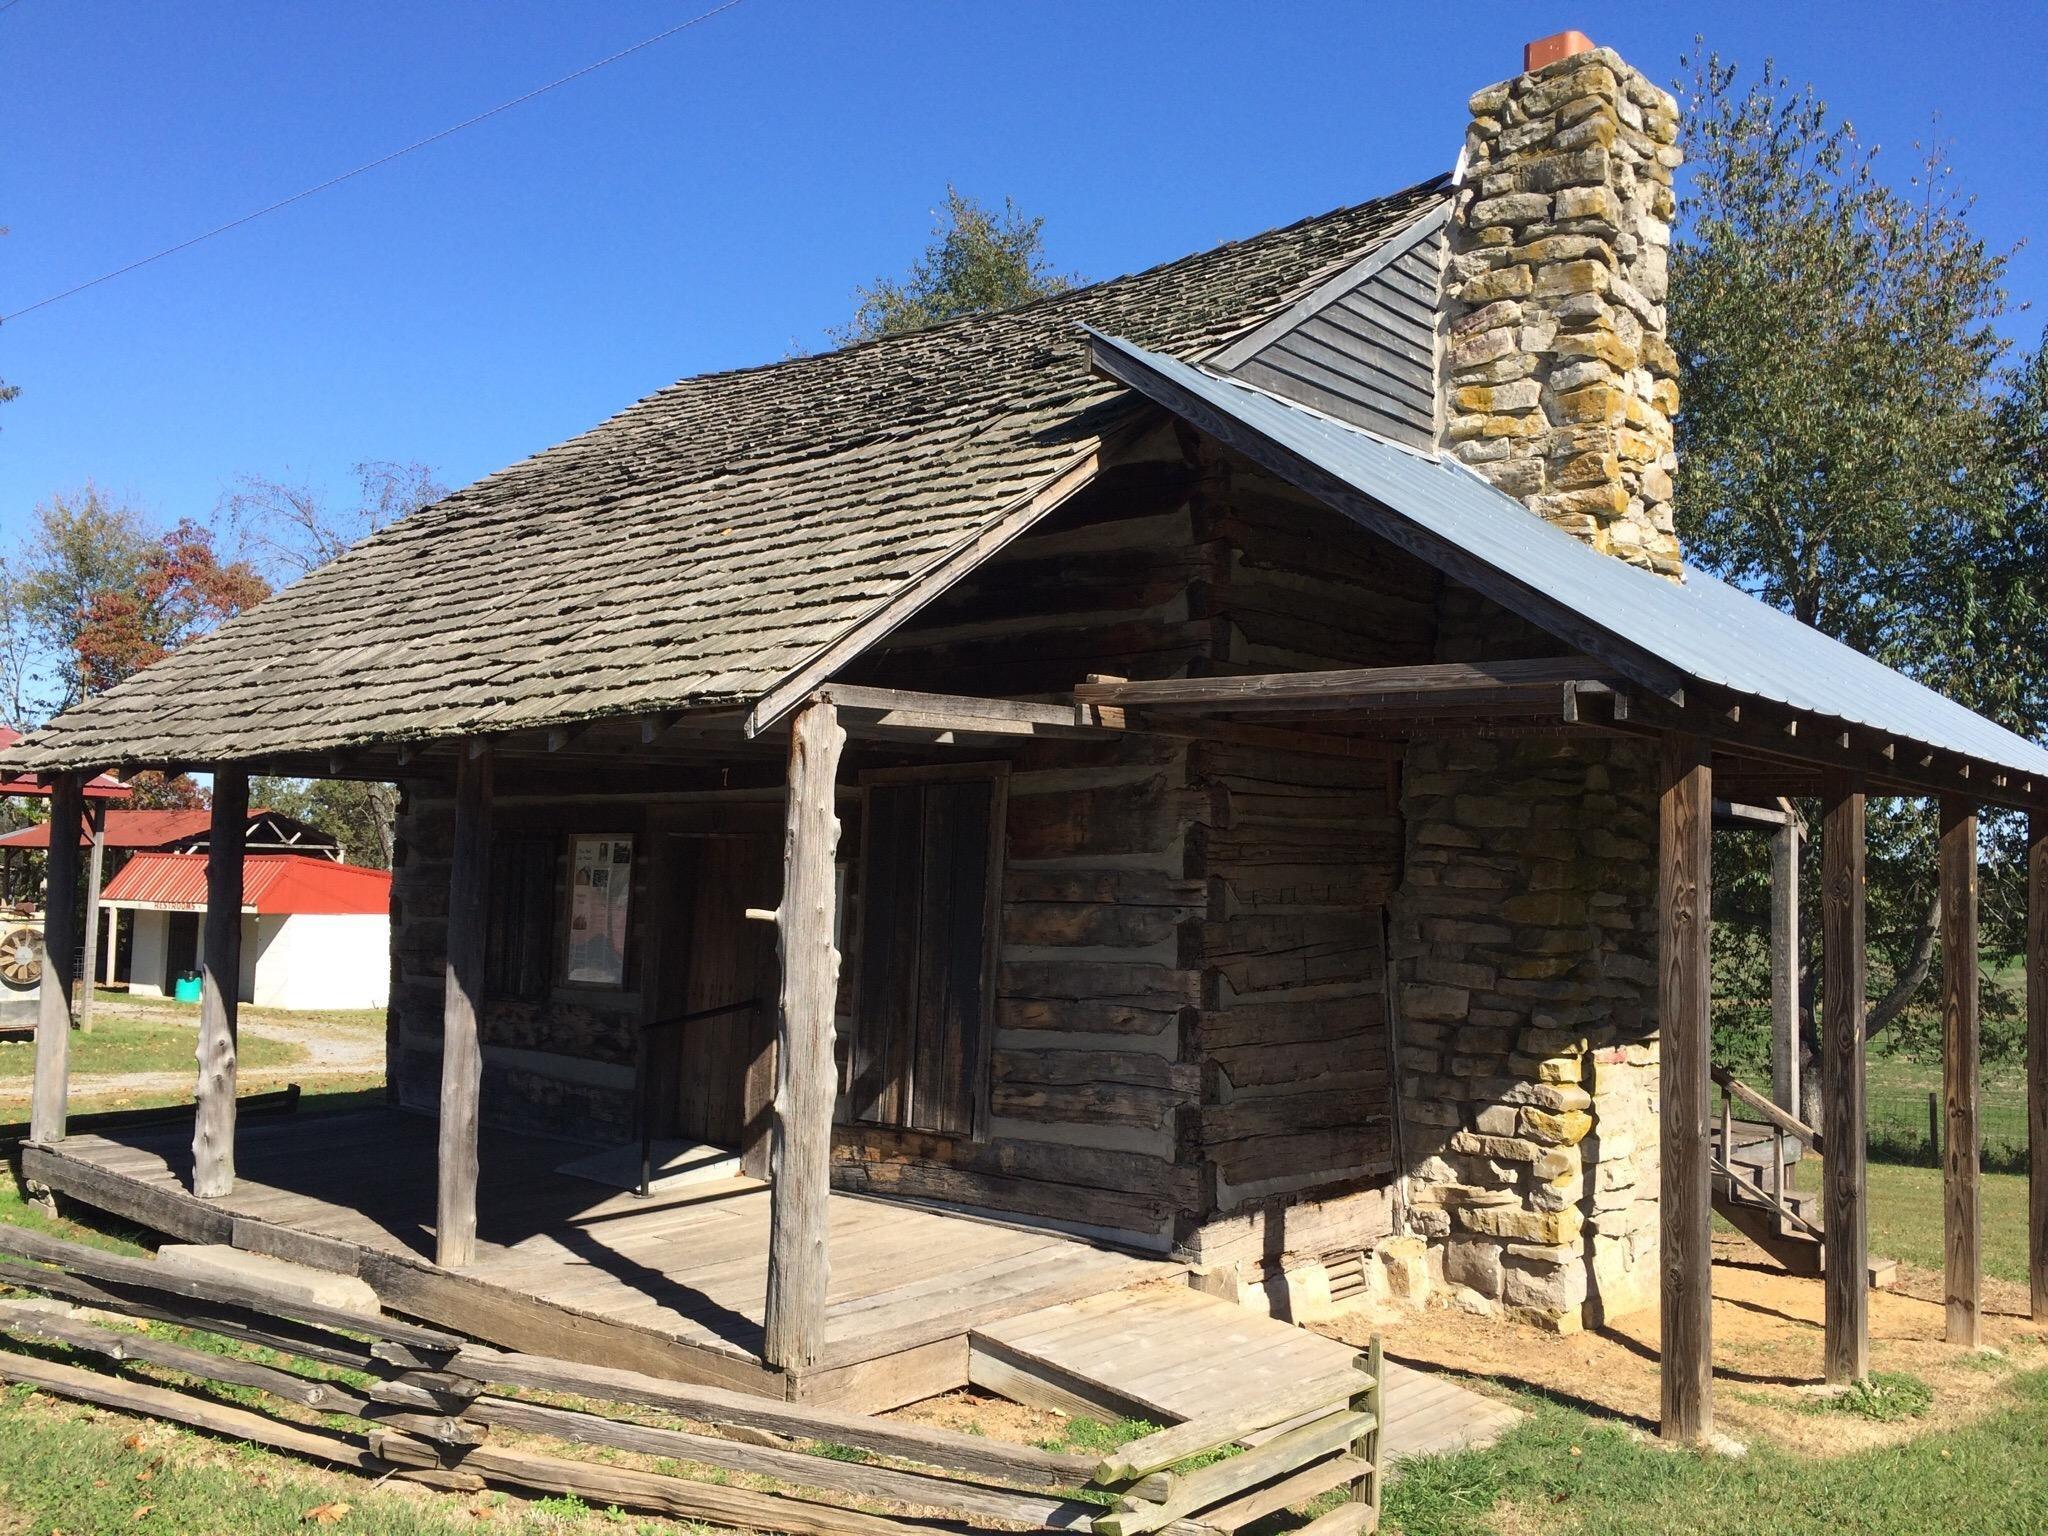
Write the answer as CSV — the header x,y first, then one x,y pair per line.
x,y
714,1081
931,864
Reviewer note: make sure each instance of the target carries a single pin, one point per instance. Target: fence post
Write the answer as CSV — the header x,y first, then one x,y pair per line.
x,y
1934,1125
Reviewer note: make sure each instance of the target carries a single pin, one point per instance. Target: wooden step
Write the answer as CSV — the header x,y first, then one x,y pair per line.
x,y
1171,1353
1801,1252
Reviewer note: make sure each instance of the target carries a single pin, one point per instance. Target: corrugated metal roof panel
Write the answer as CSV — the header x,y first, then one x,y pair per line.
x,y
1706,629
272,883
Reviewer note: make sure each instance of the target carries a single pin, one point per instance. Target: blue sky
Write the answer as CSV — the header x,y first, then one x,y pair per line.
x,y
713,201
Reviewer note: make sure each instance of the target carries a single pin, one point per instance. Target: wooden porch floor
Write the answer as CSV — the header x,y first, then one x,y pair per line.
x,y
673,1284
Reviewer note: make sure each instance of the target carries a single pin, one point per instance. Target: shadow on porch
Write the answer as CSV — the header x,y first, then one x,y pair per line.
x,y
562,1259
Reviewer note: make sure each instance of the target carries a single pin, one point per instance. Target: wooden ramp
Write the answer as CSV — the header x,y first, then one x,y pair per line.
x,y
1167,1353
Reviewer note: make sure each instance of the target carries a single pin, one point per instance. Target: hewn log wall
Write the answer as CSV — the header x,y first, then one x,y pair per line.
x,y
1091,1081
561,1064
1191,1029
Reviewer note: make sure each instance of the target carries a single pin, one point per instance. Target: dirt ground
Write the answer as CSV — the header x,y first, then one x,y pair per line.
x,y
1767,1355
983,1413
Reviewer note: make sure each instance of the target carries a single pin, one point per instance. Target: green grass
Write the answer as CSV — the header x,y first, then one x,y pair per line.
x,y
1565,1472
1885,1396
368,1019
80,1471
108,1232
1097,1437
120,1043
1905,1215
1896,1089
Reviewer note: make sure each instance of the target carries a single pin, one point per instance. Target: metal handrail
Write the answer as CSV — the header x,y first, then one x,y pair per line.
x,y
646,1114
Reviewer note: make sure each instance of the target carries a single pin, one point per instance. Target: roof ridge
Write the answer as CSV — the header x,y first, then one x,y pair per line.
x,y
1440,181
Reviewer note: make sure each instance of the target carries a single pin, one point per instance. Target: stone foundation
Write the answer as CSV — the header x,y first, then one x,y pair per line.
x,y
1524,945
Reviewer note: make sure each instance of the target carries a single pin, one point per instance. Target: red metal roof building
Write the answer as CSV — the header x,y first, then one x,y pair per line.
x,y
186,831
102,787
315,933
272,883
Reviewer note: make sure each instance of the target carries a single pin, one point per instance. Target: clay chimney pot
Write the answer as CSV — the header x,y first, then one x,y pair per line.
x,y
1548,50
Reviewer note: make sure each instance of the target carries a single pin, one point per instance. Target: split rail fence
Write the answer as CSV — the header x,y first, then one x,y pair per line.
x,y
431,1402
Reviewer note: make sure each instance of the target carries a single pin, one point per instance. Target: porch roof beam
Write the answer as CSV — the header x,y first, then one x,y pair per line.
x,y
1514,687
1800,748
904,712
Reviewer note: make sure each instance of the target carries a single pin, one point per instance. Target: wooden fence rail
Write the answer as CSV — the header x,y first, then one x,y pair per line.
x,y
430,1404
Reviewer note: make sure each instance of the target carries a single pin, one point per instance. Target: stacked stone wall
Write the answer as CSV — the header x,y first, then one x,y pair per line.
x,y
1524,944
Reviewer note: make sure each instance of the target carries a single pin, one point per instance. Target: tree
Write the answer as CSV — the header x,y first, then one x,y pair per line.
x,y
80,546
289,528
181,590
1841,452
356,813
17,654
977,260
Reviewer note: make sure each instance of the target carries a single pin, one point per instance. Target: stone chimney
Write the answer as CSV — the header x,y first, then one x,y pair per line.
x,y
1559,383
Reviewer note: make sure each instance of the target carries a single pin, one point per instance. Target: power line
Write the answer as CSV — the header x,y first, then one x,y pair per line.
x,y
370,165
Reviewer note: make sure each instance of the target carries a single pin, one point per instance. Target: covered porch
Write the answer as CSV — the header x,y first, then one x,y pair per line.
x,y
672,1284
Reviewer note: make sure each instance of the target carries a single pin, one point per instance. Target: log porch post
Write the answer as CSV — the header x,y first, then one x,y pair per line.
x,y
2037,1062
1961,1243
213,1126
1845,1246
96,819
1684,891
1785,1065
461,1055
50,1095
806,1081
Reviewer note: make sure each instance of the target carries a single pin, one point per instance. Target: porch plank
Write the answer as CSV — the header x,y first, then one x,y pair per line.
x,y
672,1285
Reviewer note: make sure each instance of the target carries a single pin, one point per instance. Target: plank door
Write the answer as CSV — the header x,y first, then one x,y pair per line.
x,y
714,1081
931,875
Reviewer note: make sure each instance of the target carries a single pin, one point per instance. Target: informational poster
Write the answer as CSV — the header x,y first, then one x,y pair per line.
x,y
600,883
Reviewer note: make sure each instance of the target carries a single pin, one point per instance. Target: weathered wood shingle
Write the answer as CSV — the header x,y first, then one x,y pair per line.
x,y
702,544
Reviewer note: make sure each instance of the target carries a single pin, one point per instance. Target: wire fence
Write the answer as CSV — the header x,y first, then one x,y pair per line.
x,y
1904,1121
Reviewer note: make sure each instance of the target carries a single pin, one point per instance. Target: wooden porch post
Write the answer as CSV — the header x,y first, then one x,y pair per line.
x,y
96,818
462,1062
807,1083
1845,1247
1960,1237
1684,890
213,1127
2037,1061
60,934
1785,1067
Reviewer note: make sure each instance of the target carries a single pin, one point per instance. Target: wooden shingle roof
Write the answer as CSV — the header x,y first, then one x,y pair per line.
x,y
701,545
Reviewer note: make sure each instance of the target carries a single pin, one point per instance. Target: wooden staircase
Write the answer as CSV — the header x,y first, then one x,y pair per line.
x,y
1752,1165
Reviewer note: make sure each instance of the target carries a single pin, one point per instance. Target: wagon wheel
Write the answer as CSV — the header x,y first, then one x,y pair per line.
x,y
21,957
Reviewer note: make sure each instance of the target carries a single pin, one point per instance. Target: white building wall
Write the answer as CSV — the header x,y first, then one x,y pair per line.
x,y
147,958
318,960
257,931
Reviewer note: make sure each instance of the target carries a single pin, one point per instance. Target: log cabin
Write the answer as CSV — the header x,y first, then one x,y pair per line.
x,y
1215,768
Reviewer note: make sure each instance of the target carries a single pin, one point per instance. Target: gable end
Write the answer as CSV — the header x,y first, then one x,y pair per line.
x,y
1362,346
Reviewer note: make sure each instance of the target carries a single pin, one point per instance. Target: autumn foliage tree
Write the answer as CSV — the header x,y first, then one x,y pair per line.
x,y
181,590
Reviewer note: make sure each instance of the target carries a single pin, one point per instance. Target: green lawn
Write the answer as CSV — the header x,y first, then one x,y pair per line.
x,y
1905,1216
1562,1471
156,1043
370,1020
1896,1089
66,1469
